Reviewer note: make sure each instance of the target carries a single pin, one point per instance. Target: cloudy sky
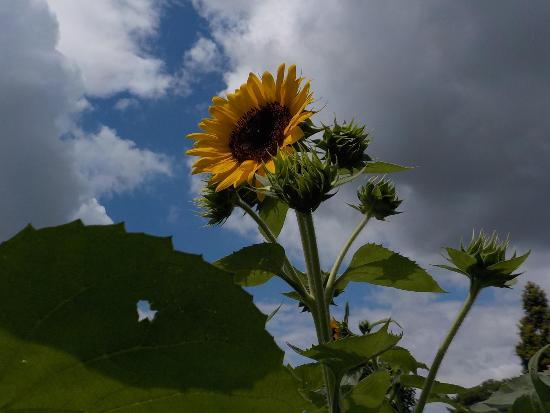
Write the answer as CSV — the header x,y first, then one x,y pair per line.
x,y
97,97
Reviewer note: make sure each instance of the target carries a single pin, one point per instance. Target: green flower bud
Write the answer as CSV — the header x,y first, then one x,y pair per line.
x,y
216,206
345,145
378,199
302,180
484,261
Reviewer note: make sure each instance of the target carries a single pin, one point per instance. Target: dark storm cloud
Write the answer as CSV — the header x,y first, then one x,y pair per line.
x,y
37,89
465,95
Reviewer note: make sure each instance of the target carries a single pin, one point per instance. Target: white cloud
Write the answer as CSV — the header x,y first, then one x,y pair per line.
x,y
109,164
109,43
202,58
46,180
92,213
125,103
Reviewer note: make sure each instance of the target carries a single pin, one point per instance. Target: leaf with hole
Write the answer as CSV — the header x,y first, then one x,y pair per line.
x,y
70,340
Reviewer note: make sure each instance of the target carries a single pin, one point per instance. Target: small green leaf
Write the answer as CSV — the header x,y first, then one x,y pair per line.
x,y
369,392
509,266
541,387
462,260
375,264
347,353
449,268
400,358
310,376
255,264
527,403
273,212
272,314
417,382
379,167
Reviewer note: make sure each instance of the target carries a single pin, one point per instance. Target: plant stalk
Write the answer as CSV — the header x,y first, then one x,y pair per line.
x,y
341,255
466,306
320,309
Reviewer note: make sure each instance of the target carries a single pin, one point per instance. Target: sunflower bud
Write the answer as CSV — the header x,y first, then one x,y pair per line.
x,y
309,128
484,261
216,206
345,145
302,180
378,199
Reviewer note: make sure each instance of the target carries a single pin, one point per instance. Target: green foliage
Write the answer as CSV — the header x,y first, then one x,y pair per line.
x,y
255,264
350,352
70,339
369,394
529,393
273,212
375,264
302,180
484,261
379,167
416,381
215,206
399,358
476,394
377,198
534,327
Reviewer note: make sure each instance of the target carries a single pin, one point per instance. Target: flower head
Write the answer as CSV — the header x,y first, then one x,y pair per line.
x,y
378,199
302,180
484,261
345,145
248,127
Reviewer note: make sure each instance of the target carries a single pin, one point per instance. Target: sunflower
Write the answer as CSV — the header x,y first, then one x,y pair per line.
x,y
249,126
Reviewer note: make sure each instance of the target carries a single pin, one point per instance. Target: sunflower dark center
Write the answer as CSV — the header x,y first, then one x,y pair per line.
x,y
259,133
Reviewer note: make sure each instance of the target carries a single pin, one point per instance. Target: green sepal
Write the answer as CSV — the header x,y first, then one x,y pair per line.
x,y
273,212
510,265
416,381
374,264
461,259
255,264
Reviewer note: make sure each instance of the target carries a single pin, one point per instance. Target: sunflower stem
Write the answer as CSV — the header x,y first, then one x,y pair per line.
x,y
289,273
320,309
331,282
466,306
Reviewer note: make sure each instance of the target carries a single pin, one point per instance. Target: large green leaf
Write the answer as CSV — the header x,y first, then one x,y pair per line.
x,y
379,167
273,212
541,386
255,264
413,380
347,353
374,264
70,340
369,394
400,358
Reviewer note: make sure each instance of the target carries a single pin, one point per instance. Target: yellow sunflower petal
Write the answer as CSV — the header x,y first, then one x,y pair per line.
x,y
297,119
230,179
279,82
255,85
205,151
270,166
268,86
222,166
300,100
295,135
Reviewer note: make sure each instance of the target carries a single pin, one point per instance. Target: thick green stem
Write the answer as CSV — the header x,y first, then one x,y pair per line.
x,y
290,275
472,295
320,309
341,255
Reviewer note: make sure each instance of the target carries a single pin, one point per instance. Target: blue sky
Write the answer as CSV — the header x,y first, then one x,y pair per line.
x,y
98,98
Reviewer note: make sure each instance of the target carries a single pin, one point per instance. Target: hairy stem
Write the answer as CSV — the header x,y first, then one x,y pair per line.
x,y
466,306
320,309
289,273
341,255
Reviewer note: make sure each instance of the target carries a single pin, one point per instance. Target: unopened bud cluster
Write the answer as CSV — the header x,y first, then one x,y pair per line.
x,y
484,261
378,199
345,145
302,180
